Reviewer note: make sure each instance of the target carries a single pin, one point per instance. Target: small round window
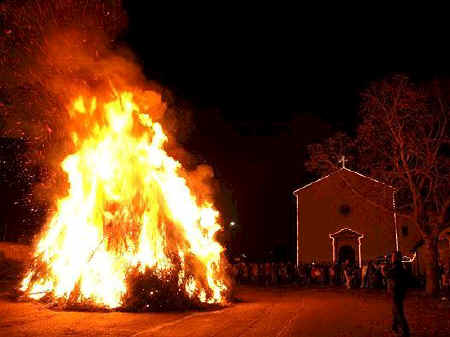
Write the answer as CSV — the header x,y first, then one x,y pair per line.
x,y
345,209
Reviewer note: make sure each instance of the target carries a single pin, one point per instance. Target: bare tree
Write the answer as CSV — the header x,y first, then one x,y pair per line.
x,y
403,140
324,157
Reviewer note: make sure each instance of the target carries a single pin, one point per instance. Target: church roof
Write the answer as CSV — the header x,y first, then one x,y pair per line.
x,y
346,231
343,170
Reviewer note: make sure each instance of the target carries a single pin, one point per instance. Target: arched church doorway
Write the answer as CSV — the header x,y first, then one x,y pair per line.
x,y
346,245
346,253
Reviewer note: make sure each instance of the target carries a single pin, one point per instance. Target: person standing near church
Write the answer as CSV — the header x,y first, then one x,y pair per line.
x,y
398,278
364,283
267,273
348,273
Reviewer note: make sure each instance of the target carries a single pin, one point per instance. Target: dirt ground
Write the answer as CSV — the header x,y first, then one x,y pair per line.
x,y
259,312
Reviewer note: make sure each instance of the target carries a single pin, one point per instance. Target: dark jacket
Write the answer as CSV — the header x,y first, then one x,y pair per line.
x,y
398,278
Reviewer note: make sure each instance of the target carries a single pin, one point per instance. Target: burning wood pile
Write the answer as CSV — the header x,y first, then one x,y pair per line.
x,y
129,228
130,233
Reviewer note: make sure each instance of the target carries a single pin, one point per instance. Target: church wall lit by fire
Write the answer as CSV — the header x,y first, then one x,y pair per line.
x,y
347,215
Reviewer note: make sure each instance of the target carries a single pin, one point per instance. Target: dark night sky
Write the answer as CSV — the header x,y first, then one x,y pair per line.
x,y
262,85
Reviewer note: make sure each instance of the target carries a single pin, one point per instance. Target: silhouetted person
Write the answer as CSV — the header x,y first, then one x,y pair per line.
x,y
378,277
348,273
398,278
370,275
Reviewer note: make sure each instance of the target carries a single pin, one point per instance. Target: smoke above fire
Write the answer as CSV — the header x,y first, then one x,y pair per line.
x,y
127,219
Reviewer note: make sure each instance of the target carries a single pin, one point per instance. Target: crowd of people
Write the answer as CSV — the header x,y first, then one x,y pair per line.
x,y
326,274
391,273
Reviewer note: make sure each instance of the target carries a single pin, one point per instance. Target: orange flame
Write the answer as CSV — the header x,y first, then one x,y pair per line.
x,y
127,207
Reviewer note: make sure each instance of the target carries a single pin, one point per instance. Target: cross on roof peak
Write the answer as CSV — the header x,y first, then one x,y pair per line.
x,y
343,161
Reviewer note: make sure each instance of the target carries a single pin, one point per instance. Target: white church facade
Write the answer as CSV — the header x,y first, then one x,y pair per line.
x,y
345,215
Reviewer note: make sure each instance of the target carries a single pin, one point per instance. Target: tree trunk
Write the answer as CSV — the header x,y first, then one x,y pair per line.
x,y
431,257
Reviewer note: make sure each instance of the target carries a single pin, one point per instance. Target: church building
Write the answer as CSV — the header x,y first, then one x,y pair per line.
x,y
345,216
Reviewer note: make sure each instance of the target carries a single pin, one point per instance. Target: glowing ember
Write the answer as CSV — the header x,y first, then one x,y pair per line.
x,y
128,208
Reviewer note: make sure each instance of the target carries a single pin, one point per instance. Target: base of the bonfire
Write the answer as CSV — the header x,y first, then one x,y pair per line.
x,y
58,304
135,306
147,292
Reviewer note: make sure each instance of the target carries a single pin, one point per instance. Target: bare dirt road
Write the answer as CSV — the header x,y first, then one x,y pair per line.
x,y
261,312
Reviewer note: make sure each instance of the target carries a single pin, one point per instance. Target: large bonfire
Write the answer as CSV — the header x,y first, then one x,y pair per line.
x,y
129,230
